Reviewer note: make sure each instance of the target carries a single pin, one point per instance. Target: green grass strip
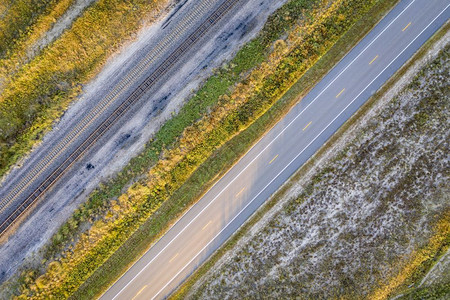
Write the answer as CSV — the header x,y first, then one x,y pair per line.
x,y
297,91
333,56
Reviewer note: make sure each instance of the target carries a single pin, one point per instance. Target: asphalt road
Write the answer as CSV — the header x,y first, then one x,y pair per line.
x,y
281,151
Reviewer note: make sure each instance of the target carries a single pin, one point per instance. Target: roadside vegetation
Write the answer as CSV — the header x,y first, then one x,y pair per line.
x,y
39,90
370,223
188,153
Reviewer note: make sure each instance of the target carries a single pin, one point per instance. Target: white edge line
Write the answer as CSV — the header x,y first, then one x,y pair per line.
x,y
290,123
298,155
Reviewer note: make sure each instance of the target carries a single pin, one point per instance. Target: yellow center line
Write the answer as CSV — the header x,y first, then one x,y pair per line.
x,y
340,92
373,60
173,258
406,26
206,225
273,159
307,125
240,191
140,291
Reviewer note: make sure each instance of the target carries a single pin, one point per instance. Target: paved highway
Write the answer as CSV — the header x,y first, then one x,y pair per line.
x,y
281,151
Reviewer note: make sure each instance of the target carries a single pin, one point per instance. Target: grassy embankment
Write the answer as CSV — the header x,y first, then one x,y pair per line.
x,y
24,24
41,90
419,263
235,110
20,18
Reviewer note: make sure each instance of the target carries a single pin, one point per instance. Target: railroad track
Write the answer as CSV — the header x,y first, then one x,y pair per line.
x,y
145,86
82,126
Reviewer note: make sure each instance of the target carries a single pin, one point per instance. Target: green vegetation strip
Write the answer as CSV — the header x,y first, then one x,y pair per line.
x,y
435,291
247,58
216,165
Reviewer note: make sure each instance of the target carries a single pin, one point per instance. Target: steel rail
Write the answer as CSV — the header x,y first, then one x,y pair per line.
x,y
135,96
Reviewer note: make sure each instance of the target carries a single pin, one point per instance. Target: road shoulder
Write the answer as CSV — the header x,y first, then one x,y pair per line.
x,y
337,143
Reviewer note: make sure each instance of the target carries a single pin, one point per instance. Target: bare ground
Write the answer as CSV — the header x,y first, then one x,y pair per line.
x,y
22,248
343,227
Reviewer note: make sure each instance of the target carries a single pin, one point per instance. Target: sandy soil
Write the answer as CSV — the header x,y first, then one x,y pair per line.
x,y
118,147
